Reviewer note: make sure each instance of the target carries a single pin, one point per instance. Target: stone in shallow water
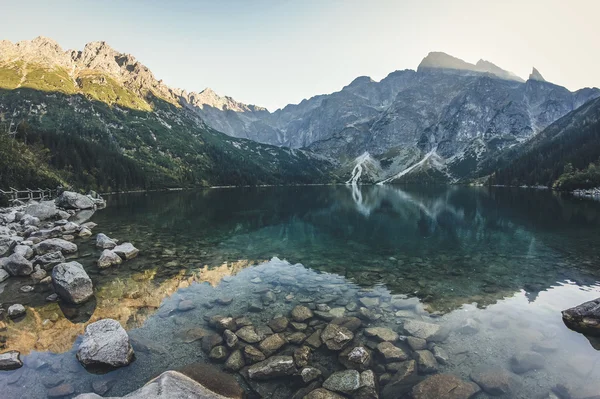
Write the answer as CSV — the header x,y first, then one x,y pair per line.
x,y
336,337
296,338
526,361
71,282
210,341
444,386
426,362
126,251
495,381
105,343
253,355
61,390
209,378
279,324
314,340
309,374
16,310
357,357
235,361
231,340
301,313
584,318
105,242
272,344
321,393
248,334
391,353
302,356
416,344
218,353
10,360
109,258
346,381
440,354
276,366
54,245
369,302
421,329
18,265
382,333
185,305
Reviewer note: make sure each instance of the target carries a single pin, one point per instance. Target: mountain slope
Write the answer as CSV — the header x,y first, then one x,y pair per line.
x,y
465,113
99,100
565,155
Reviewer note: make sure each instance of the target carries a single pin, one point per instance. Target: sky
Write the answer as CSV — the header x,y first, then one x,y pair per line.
x,y
272,53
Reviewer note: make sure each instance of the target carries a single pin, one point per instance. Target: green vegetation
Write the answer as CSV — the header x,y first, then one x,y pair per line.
x,y
107,90
49,80
563,156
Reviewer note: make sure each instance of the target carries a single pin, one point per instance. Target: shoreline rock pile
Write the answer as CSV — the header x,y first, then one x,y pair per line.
x,y
36,239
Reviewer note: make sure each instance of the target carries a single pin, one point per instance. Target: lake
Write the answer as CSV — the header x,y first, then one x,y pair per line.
x,y
491,268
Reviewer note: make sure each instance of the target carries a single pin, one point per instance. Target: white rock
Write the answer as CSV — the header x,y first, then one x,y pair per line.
x,y
105,343
71,282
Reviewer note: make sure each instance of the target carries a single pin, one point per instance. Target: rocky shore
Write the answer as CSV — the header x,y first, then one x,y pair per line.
x,y
38,248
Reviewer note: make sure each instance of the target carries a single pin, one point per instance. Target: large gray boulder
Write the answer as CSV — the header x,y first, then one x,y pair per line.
x,y
105,242
105,343
49,260
108,258
168,385
584,318
53,245
43,210
71,282
71,200
24,250
18,265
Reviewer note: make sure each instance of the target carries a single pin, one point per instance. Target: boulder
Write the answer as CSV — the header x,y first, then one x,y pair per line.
x,y
248,334
43,211
302,356
7,243
53,245
10,360
71,200
71,282
49,260
109,258
105,343
17,265
584,318
24,250
336,337
321,393
235,361
358,358
105,242
421,329
402,382
272,344
276,366
253,355
3,275
426,362
126,251
169,385
444,386
391,353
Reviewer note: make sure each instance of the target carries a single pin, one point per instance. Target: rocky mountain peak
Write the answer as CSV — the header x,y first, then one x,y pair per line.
x,y
441,60
536,75
489,67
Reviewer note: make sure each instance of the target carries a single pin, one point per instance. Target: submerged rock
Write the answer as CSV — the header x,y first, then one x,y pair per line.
x,y
272,344
321,393
276,366
584,318
213,379
391,353
336,337
382,333
444,386
346,381
105,343
421,329
495,381
72,283
301,313
402,382
526,361
10,360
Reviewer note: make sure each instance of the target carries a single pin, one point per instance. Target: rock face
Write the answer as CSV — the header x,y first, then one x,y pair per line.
x,y
444,386
71,282
17,265
53,245
169,385
105,343
584,318
276,366
71,200
10,360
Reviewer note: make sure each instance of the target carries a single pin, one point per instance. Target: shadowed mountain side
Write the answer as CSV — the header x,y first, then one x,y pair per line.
x,y
88,143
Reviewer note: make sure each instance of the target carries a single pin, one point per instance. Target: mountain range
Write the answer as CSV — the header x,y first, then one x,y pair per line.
x,y
100,118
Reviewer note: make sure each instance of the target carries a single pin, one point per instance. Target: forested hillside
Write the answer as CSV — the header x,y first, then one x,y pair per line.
x,y
564,156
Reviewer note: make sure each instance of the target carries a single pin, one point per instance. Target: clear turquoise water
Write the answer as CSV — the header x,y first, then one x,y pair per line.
x,y
507,260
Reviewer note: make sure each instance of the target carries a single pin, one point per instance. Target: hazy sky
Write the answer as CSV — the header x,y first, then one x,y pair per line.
x,y
272,53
